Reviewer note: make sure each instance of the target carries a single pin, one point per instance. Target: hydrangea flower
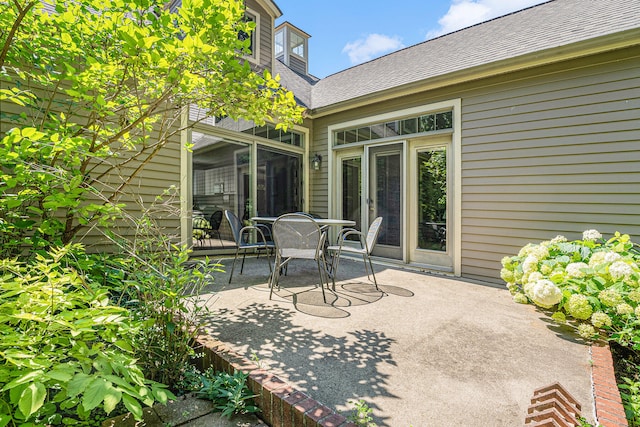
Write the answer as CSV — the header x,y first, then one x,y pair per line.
x,y
624,309
506,275
634,295
546,269
575,269
591,235
610,297
578,306
520,298
507,262
586,331
600,319
559,317
603,257
524,251
620,270
545,293
530,264
558,239
532,278
513,288
637,311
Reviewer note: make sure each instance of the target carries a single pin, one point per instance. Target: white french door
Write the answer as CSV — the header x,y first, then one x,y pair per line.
x,y
384,196
430,213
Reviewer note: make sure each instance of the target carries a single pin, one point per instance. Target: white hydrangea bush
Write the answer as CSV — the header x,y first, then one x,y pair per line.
x,y
591,284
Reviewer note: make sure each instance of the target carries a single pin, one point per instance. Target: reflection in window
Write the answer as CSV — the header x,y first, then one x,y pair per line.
x,y
432,199
297,44
351,191
220,181
279,40
408,126
279,184
248,36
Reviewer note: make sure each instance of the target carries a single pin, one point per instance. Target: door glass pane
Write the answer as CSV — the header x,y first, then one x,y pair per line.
x,y
388,186
279,185
432,199
351,190
220,181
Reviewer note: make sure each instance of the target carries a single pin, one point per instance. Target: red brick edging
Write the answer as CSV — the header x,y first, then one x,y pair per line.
x,y
280,404
609,409
283,406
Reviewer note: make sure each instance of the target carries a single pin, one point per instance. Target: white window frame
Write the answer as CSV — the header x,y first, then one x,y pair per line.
x,y
456,157
255,35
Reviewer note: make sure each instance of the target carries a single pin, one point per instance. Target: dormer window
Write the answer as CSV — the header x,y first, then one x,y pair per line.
x,y
297,44
291,44
279,43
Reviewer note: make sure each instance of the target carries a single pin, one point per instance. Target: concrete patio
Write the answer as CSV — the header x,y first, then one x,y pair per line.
x,y
427,351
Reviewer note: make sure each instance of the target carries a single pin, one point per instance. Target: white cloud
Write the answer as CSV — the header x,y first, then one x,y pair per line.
x,y
372,46
464,13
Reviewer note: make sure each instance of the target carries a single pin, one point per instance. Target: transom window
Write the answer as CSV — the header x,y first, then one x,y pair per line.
x,y
410,125
269,131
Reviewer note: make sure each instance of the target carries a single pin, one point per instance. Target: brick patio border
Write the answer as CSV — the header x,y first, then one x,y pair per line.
x,y
283,406
609,409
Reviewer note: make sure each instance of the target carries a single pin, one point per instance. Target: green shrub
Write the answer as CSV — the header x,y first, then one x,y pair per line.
x,y
591,284
65,350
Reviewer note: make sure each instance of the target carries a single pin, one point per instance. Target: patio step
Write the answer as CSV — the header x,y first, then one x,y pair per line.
x,y
552,405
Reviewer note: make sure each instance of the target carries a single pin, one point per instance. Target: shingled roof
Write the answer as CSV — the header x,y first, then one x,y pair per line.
x,y
533,30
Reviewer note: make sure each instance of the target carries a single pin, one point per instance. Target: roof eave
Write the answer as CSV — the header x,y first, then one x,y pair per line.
x,y
623,39
271,7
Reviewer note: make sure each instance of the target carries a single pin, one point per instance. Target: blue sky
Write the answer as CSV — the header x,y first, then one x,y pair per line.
x,y
345,33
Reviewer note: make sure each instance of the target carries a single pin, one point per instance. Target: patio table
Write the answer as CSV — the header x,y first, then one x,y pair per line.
x,y
320,221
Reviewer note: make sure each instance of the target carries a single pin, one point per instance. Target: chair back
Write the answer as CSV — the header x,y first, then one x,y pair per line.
x,y
216,220
372,234
235,225
297,236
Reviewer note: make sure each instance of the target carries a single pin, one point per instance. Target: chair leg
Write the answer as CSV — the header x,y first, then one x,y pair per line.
x,y
244,254
364,259
233,266
275,275
375,282
324,297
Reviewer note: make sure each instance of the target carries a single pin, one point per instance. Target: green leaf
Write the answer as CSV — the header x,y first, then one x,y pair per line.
x,y
23,379
32,399
78,384
94,394
132,406
4,419
61,373
112,397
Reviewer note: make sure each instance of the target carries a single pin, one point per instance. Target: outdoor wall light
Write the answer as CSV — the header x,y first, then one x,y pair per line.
x,y
316,162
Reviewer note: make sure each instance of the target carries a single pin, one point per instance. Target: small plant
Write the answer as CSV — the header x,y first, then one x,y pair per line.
x,y
256,359
362,414
229,393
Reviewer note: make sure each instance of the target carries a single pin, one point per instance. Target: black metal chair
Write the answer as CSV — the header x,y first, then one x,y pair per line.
x,y
298,236
214,225
367,242
242,237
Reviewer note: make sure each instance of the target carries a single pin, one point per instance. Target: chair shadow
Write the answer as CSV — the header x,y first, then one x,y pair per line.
x,y
300,285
